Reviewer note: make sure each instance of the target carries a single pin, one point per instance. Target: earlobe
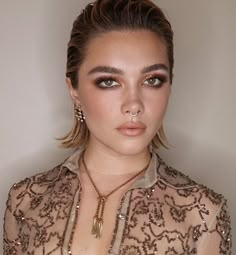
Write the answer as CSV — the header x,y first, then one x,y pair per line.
x,y
73,92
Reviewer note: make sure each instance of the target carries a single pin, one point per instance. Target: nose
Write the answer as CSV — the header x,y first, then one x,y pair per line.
x,y
132,102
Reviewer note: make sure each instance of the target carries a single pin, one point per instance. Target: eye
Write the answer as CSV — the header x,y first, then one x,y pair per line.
x,y
154,81
106,83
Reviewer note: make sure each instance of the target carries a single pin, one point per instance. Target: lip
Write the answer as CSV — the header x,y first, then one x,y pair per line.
x,y
132,125
132,129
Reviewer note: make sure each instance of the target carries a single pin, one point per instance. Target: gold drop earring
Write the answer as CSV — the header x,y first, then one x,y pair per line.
x,y
79,113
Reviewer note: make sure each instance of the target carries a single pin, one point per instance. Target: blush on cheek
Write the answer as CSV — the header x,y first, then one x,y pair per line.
x,y
160,114
95,113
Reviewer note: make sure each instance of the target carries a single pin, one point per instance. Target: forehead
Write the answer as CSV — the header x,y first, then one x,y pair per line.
x,y
126,48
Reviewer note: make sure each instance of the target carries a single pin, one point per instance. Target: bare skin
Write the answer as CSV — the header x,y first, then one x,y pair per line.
x,y
85,243
111,156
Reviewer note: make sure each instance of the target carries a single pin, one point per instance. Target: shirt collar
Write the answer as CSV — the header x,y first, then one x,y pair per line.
x,y
147,180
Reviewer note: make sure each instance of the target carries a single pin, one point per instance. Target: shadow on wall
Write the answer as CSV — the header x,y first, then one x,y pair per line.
x,y
201,160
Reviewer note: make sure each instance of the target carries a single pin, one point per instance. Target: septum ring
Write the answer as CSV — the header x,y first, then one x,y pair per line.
x,y
133,114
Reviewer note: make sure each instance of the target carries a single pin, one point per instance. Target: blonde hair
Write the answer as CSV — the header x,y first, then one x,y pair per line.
x,y
79,135
108,15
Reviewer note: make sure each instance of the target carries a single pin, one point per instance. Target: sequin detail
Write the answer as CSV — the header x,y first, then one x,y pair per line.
x,y
173,216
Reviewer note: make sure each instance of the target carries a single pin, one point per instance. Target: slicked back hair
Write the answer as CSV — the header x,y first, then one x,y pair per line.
x,y
104,16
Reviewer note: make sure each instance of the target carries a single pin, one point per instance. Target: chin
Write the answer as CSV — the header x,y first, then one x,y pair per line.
x,y
131,149
122,146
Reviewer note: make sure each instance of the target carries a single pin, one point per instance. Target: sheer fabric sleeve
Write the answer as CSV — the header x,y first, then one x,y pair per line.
x,y
218,239
11,240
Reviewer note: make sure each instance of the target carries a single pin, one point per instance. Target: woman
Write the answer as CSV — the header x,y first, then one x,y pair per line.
x,y
115,195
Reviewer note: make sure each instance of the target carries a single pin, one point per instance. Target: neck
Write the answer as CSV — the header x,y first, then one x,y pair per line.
x,y
105,163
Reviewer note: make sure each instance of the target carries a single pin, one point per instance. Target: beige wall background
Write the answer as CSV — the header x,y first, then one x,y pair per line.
x,y
35,107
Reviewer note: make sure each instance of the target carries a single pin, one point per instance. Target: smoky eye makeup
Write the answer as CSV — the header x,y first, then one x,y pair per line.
x,y
155,80
111,82
106,82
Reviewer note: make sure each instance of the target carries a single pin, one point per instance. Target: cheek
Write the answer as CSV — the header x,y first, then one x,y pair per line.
x,y
98,107
159,105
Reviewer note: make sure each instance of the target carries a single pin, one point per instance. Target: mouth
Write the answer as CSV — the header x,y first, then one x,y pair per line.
x,y
132,129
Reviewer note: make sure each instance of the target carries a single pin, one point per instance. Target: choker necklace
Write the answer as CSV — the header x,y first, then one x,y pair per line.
x,y
98,217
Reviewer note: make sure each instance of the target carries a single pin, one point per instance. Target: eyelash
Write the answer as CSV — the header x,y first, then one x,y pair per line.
x,y
162,79
99,80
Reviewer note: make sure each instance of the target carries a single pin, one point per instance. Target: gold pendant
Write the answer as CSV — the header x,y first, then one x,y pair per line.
x,y
98,218
97,227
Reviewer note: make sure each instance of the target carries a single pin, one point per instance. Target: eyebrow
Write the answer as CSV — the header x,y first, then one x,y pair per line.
x,y
155,67
105,69
114,70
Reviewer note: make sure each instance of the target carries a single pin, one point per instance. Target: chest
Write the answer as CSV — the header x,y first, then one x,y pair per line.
x,y
139,222
85,240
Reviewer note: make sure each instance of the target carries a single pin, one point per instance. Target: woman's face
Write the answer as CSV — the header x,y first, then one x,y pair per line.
x,y
123,72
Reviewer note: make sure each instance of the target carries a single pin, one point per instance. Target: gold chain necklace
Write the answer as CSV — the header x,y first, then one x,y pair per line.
x,y
98,217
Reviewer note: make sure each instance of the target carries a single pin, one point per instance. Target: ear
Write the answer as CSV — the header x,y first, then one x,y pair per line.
x,y
73,92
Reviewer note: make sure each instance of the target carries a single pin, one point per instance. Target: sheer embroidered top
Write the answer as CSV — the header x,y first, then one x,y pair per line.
x,y
164,212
